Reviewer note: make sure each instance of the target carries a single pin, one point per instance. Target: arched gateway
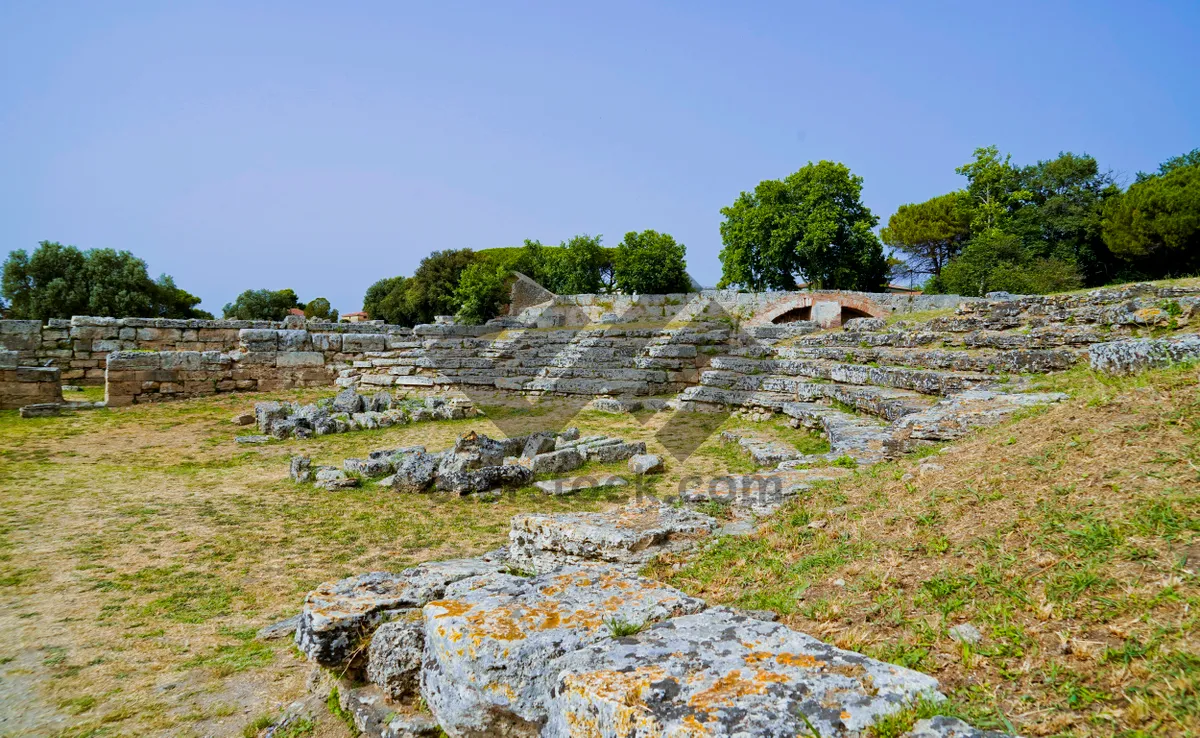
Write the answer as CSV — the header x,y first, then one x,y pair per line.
x,y
827,309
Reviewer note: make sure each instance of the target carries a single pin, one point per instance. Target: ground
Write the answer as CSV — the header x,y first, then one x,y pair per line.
x,y
1069,538
141,548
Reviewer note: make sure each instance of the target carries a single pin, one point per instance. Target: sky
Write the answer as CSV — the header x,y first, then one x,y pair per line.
x,y
324,146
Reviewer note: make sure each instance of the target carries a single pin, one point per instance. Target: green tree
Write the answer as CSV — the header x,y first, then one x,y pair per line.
x,y
262,305
994,185
59,281
431,289
574,267
998,261
320,309
813,223
1156,222
378,293
1062,216
650,263
482,291
930,233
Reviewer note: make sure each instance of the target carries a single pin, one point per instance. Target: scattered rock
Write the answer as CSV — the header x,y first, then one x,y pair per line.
x,y
282,629
948,727
416,472
966,633
348,401
300,469
370,468
41,410
617,451
243,419
646,464
253,439
558,462
375,717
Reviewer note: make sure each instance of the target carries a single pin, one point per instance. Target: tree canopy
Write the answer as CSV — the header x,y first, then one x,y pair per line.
x,y
812,224
651,263
931,233
319,308
59,281
262,305
1157,221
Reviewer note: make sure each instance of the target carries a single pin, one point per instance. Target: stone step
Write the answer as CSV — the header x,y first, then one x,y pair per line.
x,y
1016,361
887,402
925,381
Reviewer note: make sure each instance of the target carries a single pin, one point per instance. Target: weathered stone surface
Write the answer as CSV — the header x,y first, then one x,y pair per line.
x,y
239,419
283,629
628,536
252,439
375,717
558,462
953,417
483,479
725,674
491,643
394,656
616,452
268,413
370,468
948,727
416,472
966,633
339,615
646,464
348,401
864,324
1134,355
538,443
300,469
41,410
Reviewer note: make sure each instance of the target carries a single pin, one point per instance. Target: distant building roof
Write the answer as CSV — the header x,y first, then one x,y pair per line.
x,y
295,311
359,314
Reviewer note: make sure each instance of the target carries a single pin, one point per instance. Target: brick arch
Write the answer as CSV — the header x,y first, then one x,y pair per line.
x,y
798,305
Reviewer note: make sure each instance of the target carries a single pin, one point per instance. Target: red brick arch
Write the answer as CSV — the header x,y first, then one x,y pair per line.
x,y
793,305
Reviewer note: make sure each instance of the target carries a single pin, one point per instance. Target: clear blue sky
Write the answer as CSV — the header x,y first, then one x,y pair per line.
x,y
322,146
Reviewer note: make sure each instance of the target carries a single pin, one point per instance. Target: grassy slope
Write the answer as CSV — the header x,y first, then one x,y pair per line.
x,y
1070,538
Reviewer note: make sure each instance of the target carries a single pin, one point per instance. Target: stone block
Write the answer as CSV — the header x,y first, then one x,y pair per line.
x,y
299,358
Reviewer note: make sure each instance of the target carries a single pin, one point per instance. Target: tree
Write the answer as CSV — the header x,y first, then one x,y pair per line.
x,y
930,233
482,291
651,263
813,223
320,309
574,267
1062,215
262,305
998,261
1156,222
59,281
377,293
430,290
994,185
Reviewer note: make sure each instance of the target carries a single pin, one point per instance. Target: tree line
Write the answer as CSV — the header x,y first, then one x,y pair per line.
x,y
1056,225
474,285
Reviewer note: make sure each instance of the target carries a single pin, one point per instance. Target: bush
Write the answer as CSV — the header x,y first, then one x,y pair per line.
x,y
482,292
996,261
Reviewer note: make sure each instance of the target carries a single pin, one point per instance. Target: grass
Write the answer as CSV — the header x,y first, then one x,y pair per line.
x,y
621,628
1069,537
141,548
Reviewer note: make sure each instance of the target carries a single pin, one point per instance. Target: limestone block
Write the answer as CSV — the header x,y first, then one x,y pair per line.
x,y
492,641
730,673
339,615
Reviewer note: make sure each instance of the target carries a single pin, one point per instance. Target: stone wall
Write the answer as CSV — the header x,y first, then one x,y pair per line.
x,y
26,385
133,377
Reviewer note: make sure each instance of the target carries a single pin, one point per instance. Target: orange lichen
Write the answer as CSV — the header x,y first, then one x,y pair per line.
x,y
727,689
451,607
801,660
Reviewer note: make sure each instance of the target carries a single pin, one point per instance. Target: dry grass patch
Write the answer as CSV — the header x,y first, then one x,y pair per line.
x,y
1070,538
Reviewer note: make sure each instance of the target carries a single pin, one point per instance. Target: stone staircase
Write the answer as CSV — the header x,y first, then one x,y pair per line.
x,y
876,390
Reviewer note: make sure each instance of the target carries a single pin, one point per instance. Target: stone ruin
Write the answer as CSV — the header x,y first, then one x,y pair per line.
x,y
346,412
480,465
556,634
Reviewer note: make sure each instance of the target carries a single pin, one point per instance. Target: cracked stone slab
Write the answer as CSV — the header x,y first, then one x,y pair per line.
x,y
491,642
339,616
569,485
1133,355
628,536
719,673
953,417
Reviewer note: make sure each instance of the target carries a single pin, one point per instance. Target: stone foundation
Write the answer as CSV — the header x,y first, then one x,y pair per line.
x,y
26,385
133,377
